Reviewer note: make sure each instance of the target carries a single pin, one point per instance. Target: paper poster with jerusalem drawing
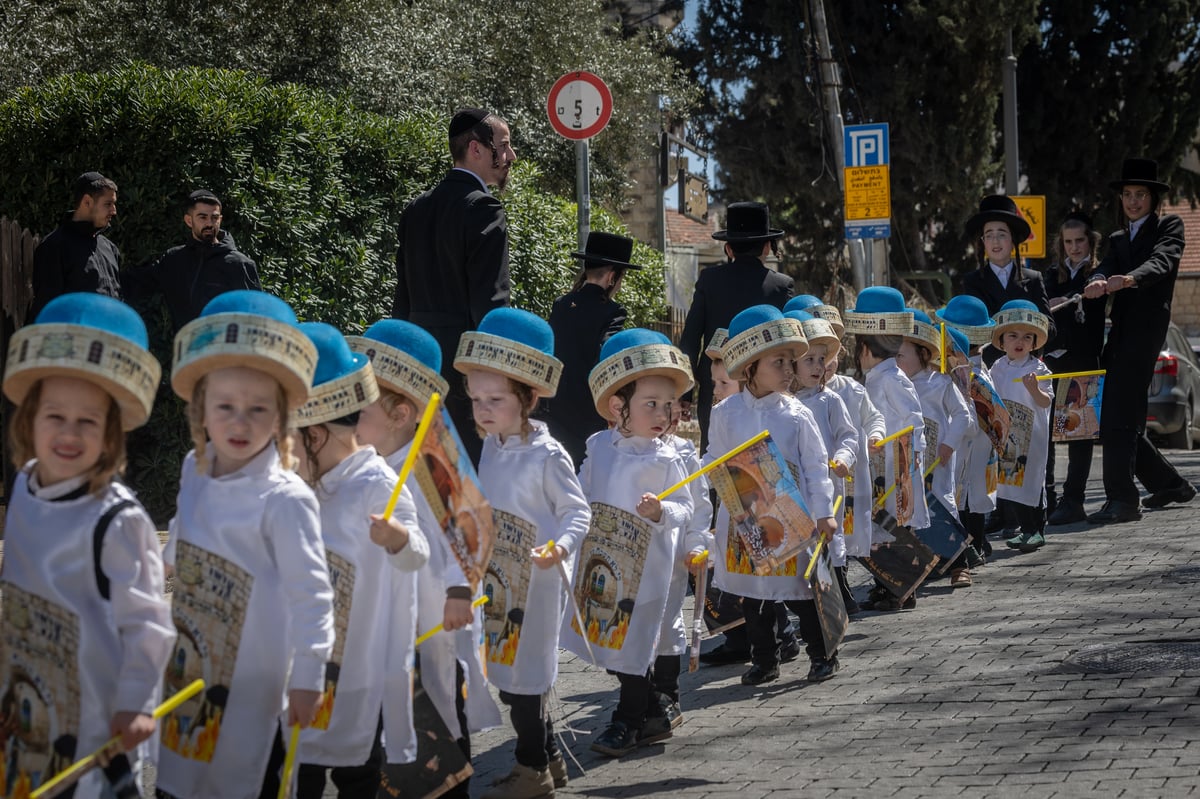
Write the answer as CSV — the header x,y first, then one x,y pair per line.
x,y
209,610
1016,449
341,578
506,585
1077,408
609,573
769,522
39,691
451,486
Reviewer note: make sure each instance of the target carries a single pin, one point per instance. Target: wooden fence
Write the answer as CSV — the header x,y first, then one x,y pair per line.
x,y
16,294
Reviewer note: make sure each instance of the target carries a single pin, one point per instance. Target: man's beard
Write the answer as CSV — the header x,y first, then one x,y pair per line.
x,y
208,235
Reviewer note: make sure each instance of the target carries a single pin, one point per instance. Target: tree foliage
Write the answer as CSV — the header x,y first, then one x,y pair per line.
x,y
1099,81
388,56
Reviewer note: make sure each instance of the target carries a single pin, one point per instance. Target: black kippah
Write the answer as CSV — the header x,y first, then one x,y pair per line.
x,y
87,181
202,195
465,119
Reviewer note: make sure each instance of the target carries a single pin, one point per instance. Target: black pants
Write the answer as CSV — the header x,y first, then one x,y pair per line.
x,y
761,625
535,735
664,677
463,789
637,698
352,782
1079,467
1032,520
1129,454
270,784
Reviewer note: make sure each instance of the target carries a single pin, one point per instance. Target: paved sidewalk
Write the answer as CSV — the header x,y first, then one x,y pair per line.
x,y
967,694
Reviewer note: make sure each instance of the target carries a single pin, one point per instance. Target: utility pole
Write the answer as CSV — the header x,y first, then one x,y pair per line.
x,y
830,84
1012,171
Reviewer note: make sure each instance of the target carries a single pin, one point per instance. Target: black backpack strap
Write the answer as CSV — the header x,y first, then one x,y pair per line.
x,y
98,542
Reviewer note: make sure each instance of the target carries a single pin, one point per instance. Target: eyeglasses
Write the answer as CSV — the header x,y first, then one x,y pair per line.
x,y
1135,195
997,235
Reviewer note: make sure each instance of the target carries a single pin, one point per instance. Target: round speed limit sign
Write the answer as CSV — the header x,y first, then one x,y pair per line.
x,y
579,105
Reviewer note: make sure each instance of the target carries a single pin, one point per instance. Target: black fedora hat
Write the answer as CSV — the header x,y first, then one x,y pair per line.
x,y
1139,172
999,208
747,222
606,249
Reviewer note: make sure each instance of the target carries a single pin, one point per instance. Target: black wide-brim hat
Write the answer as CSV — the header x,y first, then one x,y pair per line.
x,y
999,208
747,222
1139,172
606,249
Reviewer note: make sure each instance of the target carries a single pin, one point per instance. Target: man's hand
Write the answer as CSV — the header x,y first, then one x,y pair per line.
x,y
1097,288
1118,282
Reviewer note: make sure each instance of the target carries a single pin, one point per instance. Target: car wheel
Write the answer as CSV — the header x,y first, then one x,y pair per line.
x,y
1182,438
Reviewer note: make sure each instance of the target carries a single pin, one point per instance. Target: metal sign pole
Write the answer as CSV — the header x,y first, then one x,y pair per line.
x,y
583,194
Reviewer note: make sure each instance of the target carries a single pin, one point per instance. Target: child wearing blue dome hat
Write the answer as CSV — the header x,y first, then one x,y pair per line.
x,y
529,479
374,639
636,385
762,346
407,362
252,598
81,557
1020,330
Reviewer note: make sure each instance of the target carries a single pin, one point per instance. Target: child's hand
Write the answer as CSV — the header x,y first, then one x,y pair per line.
x,y
544,559
133,728
874,442
457,613
302,706
840,469
827,526
650,508
945,453
1031,384
692,564
388,533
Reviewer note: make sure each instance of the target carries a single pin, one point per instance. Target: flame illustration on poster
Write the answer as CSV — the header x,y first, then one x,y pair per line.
x,y
990,411
341,578
1077,408
1016,451
609,573
904,466
506,585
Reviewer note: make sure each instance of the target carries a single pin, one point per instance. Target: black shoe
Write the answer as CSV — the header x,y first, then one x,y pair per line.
x,y
822,670
1068,512
1183,493
1116,512
654,729
617,740
757,675
789,651
974,559
724,656
890,604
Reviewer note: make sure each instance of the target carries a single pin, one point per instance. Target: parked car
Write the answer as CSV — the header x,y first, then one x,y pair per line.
x,y
1174,393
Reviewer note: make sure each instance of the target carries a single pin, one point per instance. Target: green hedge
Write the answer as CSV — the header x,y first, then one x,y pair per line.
x,y
312,190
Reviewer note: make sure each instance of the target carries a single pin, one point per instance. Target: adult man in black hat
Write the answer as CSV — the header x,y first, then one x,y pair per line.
x,y
76,256
1140,270
725,290
208,263
452,264
582,321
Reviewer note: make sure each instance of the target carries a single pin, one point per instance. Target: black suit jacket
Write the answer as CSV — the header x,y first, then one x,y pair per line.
x,y
721,293
74,257
1081,340
984,284
582,321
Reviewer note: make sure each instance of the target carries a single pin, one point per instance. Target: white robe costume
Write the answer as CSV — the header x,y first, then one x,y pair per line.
x,y
250,575
870,425
377,628
896,398
673,634
976,461
943,404
1004,372
95,657
841,436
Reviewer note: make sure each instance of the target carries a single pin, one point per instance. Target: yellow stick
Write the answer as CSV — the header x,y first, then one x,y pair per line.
x,y
413,451
943,348
701,556
1065,375
932,466
895,435
735,451
289,763
432,631
837,503
77,769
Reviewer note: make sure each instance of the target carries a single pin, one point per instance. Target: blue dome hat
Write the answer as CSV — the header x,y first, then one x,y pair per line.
x,y
924,332
958,341
818,331
405,357
344,382
250,329
802,302
818,308
879,311
1024,316
513,343
90,337
970,316
635,353
757,332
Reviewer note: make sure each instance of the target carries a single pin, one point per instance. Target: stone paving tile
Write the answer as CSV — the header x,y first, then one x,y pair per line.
x,y
968,694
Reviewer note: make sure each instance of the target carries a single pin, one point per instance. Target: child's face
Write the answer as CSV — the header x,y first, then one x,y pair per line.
x,y
496,407
1017,344
908,360
386,434
68,428
650,407
831,366
810,369
241,415
723,385
774,373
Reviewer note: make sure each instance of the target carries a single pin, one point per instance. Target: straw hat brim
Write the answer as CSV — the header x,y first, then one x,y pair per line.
x,y
887,323
632,363
249,341
504,356
926,335
339,397
976,334
830,315
761,341
123,369
1040,334
398,371
821,332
